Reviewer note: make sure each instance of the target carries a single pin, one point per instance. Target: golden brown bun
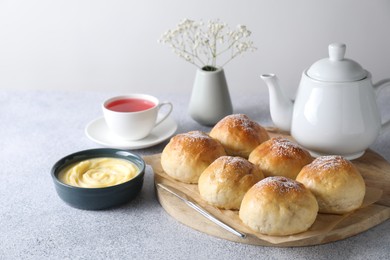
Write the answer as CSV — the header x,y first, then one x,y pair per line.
x,y
336,183
280,157
278,206
224,183
239,135
187,155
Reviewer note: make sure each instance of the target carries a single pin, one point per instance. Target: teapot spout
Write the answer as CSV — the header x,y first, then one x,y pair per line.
x,y
281,107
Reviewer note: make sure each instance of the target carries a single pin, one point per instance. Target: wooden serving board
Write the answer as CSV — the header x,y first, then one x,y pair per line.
x,y
327,227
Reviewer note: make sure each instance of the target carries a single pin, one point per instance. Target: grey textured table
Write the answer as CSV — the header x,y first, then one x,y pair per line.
x,y
39,127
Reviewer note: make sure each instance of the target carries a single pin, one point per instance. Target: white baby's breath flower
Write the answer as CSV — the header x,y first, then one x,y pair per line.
x,y
201,44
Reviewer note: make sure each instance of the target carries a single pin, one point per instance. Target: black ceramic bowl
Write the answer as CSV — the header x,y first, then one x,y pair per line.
x,y
98,198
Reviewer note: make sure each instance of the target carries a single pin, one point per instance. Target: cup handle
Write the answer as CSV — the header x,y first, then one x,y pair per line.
x,y
167,114
378,87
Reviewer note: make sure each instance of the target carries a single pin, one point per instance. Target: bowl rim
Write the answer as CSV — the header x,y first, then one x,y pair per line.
x,y
89,154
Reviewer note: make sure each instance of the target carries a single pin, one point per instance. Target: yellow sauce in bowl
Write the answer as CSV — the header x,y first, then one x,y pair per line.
x,y
98,173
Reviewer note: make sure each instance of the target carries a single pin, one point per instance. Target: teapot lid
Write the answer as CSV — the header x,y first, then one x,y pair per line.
x,y
336,67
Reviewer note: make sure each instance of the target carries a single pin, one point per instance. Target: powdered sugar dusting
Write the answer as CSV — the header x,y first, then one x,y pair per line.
x,y
330,162
284,147
237,162
199,141
196,135
243,122
281,184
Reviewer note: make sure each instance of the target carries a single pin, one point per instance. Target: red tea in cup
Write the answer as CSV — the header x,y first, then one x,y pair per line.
x,y
130,105
133,116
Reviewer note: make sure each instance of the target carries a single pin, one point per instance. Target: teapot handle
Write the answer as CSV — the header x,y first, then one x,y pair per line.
x,y
378,87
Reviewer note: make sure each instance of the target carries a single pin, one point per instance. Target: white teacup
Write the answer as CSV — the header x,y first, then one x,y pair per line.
x,y
133,117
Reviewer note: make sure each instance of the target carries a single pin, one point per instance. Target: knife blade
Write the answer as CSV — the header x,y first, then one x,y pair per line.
x,y
182,196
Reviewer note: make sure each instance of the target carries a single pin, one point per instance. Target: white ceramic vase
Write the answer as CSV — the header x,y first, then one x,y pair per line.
x,y
210,98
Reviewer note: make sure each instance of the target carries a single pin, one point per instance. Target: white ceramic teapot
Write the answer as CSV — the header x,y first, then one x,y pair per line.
x,y
335,111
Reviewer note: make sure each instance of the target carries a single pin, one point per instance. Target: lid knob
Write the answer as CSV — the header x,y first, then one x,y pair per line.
x,y
336,68
337,51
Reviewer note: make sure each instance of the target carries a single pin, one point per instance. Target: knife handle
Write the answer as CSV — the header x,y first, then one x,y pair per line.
x,y
204,213
210,217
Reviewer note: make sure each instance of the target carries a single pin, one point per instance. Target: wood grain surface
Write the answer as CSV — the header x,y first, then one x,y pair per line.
x,y
327,227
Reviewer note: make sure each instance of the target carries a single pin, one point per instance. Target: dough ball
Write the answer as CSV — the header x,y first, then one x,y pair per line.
x,y
278,206
224,183
238,134
336,183
280,157
186,155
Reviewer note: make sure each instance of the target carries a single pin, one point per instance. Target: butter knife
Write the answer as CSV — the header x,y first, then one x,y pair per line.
x,y
179,194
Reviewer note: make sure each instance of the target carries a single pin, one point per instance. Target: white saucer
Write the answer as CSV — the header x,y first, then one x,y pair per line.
x,y
98,131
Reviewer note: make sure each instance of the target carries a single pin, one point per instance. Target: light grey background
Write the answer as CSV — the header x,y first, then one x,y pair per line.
x,y
112,44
